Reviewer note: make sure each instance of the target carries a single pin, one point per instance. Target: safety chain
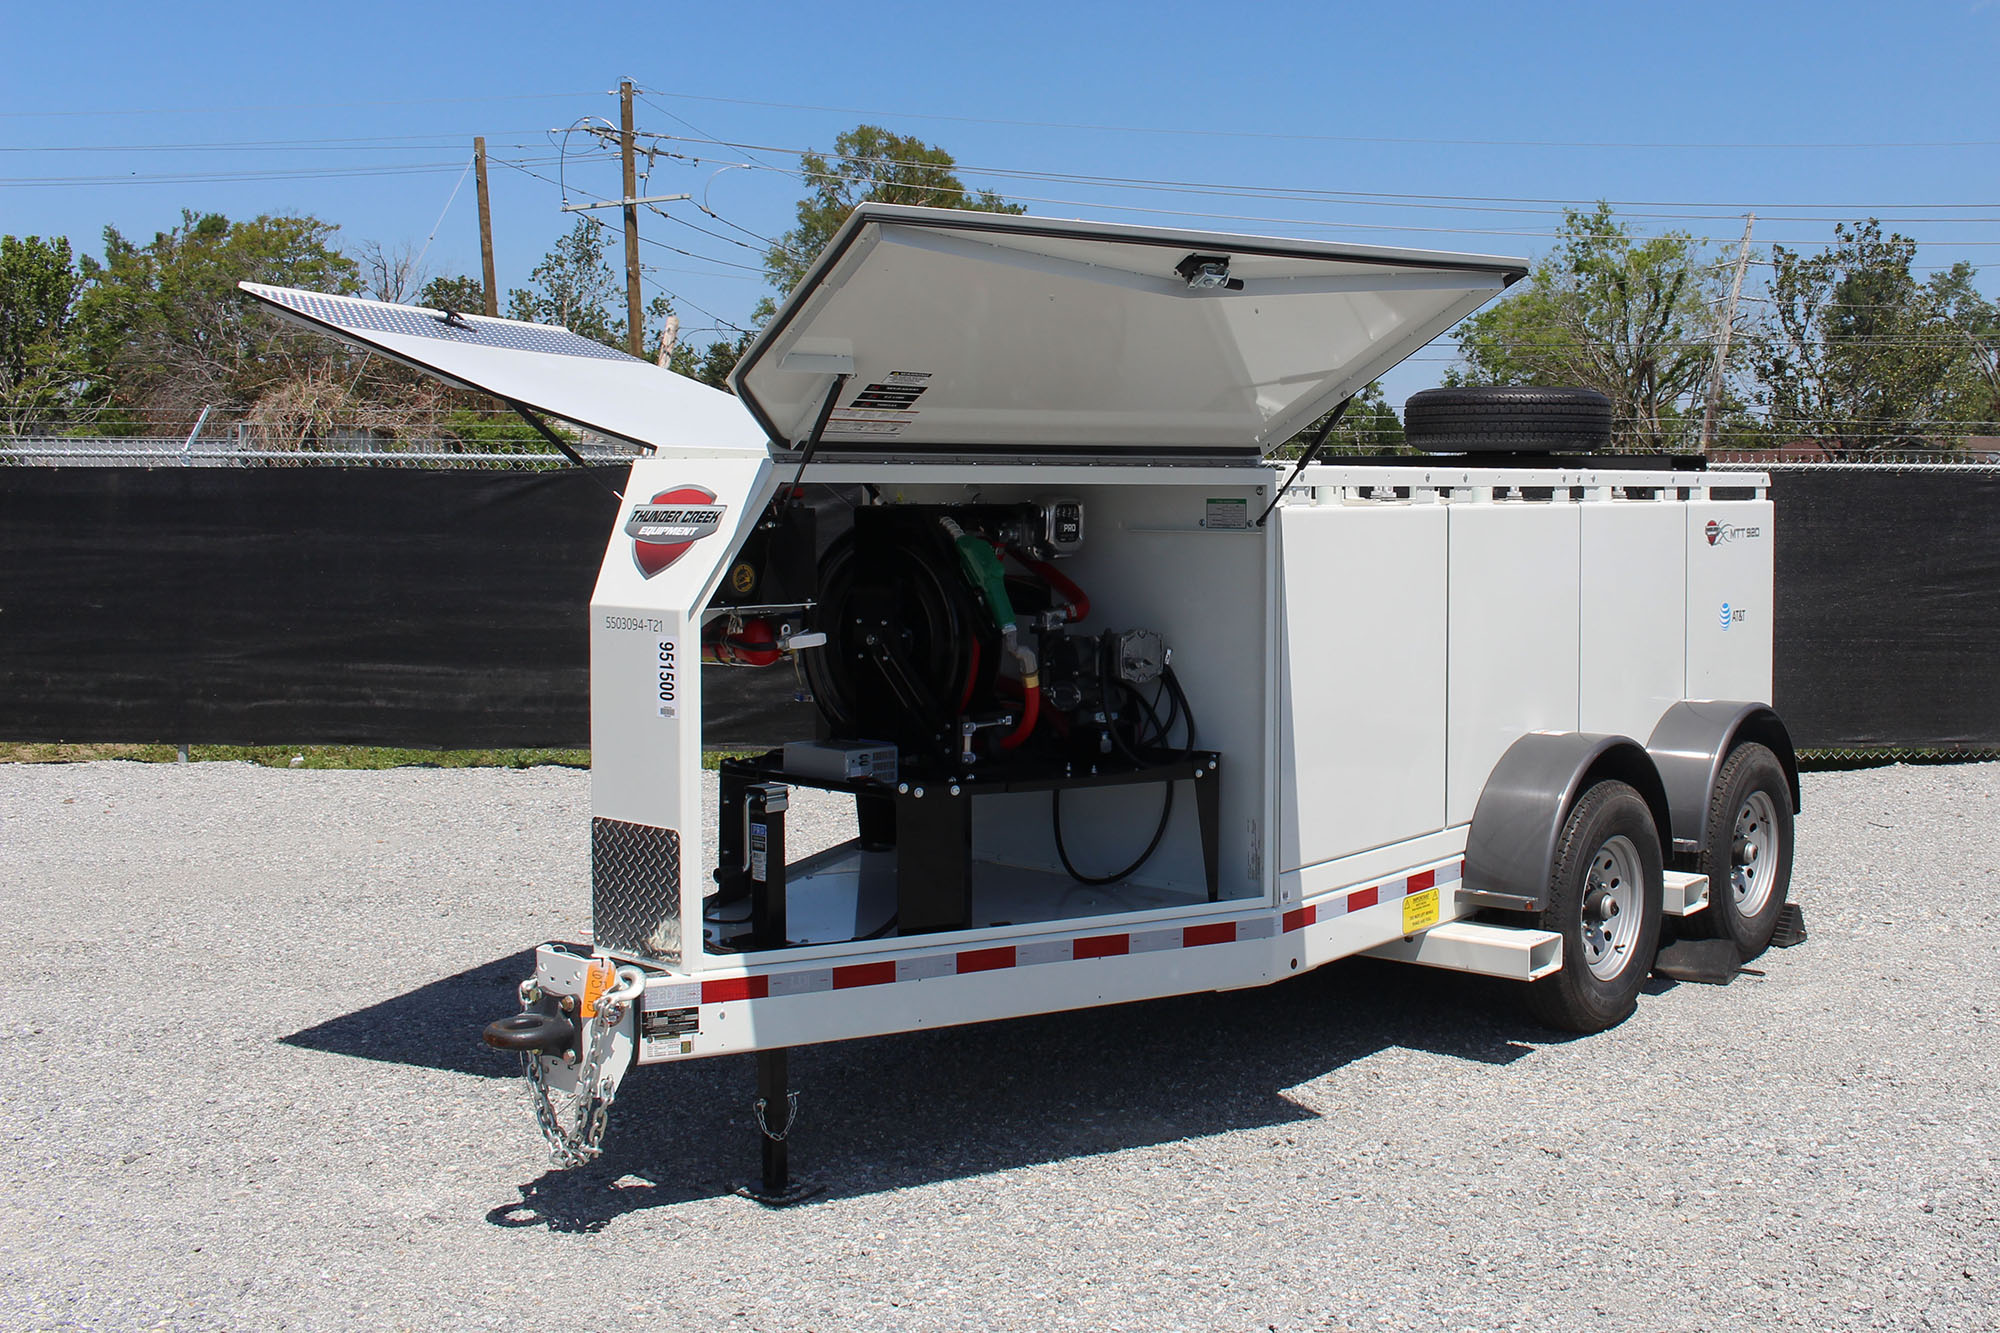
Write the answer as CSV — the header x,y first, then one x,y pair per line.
x,y
574,1145
791,1116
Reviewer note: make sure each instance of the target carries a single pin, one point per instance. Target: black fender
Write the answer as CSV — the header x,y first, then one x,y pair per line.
x,y
1510,850
1690,744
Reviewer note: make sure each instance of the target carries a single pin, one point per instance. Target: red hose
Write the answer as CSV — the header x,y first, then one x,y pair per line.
x,y
971,679
1079,601
1031,709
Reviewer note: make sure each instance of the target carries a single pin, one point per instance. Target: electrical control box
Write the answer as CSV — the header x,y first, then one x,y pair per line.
x,y
841,761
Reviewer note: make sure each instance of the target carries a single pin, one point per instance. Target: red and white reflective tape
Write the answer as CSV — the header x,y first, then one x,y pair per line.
x,y
1082,948
1388,891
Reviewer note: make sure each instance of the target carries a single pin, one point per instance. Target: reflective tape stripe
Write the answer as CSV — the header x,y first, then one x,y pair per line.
x,y
1034,953
985,960
863,974
725,989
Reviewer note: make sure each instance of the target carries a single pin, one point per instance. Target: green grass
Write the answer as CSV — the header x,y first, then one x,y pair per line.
x,y
281,756
317,756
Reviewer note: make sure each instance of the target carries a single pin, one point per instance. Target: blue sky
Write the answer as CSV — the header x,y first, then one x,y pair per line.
x,y
1462,127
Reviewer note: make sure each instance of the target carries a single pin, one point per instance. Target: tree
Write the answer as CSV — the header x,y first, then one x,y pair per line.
x,y
575,288
720,360
1630,318
391,273
869,164
1971,323
43,369
167,330
1370,426
1858,355
458,294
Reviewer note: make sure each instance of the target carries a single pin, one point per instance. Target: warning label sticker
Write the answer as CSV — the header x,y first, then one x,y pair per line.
x,y
893,397
1228,515
852,421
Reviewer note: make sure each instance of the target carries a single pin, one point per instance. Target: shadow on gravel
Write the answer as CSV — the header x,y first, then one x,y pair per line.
x,y
436,1026
894,1112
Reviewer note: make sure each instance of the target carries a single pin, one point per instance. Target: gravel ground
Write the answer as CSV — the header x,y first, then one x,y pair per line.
x,y
243,1090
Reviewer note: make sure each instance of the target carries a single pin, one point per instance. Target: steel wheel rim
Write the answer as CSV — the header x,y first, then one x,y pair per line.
x,y
1613,898
1753,854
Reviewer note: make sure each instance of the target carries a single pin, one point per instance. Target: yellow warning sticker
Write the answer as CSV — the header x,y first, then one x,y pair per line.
x,y
1420,911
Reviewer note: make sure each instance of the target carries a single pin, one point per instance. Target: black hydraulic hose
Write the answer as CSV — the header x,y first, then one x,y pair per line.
x,y
1097,881
1159,733
1187,709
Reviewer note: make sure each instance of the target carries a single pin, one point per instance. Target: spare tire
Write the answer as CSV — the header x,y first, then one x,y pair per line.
x,y
1507,418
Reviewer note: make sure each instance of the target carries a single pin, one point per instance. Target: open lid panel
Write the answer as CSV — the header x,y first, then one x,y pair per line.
x,y
538,367
968,333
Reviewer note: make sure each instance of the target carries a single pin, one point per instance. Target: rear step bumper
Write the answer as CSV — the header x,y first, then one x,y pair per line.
x,y
1683,894
1514,952
1517,952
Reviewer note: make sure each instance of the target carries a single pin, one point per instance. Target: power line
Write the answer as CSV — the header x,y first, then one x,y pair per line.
x,y
1180,187
288,106
1325,138
643,240
386,142
226,177
1548,206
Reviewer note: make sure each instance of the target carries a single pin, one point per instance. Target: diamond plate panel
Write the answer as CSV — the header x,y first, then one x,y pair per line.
x,y
635,889
370,316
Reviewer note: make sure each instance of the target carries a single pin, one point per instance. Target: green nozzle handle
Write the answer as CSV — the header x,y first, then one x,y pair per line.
x,y
982,569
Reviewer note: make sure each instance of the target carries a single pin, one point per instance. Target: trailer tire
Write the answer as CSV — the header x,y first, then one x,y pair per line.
x,y
1746,852
1604,900
1506,418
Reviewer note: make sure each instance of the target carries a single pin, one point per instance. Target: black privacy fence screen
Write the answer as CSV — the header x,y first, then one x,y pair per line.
x,y
447,608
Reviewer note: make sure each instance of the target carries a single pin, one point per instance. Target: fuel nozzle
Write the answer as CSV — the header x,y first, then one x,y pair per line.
x,y
981,566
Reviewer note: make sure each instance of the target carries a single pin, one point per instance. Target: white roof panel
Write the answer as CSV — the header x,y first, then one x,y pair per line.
x,y
542,368
961,332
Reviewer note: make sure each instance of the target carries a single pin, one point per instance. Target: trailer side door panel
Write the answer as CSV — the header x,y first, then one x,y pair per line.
x,y
1361,721
1513,625
1634,603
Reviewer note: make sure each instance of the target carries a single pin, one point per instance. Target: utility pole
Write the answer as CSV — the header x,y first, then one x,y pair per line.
x,y
635,332
1722,336
485,225
629,201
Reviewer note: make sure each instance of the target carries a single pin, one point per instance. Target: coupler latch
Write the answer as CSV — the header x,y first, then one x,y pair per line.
x,y
574,1035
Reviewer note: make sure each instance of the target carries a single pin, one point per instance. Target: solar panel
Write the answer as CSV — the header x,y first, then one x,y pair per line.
x,y
345,312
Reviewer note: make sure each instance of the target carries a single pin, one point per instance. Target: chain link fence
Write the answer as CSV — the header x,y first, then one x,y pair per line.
x,y
1875,758
232,451
1909,461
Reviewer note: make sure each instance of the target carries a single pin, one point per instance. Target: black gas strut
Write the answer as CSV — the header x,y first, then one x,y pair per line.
x,y
1312,452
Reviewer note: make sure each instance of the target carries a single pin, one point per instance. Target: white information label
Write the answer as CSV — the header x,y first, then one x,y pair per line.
x,y
1228,515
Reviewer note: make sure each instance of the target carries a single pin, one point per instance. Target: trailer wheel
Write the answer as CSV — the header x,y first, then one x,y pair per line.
x,y
1604,900
1506,418
1746,852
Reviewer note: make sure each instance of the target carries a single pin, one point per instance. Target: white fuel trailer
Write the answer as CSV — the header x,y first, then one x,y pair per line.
x,y
1128,709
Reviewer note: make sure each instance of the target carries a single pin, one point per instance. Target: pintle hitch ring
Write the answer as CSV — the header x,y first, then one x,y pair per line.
x,y
531,1032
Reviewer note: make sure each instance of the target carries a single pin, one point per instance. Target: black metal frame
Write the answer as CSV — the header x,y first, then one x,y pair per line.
x,y
927,817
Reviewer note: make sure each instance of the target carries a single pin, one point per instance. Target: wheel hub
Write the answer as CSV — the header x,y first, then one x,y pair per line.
x,y
1753,854
1611,908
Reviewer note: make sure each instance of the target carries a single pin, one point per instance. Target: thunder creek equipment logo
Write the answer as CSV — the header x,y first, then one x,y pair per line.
x,y
1720,533
662,531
